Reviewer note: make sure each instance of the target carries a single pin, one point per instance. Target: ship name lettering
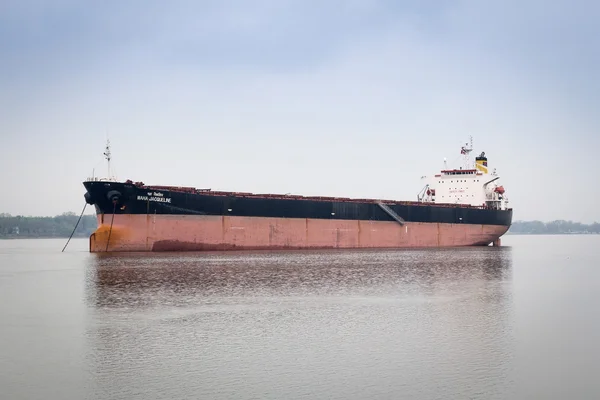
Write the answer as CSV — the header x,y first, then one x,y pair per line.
x,y
155,198
161,199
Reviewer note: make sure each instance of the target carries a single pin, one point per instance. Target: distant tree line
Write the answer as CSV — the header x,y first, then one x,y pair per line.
x,y
553,227
46,227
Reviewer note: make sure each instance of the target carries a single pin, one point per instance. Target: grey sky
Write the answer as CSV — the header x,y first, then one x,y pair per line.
x,y
347,98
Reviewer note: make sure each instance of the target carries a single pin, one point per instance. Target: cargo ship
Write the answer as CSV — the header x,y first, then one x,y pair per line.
x,y
463,206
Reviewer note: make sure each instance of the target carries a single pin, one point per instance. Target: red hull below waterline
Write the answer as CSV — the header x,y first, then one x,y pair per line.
x,y
135,232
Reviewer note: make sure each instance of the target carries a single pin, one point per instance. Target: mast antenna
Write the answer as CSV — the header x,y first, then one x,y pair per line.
x,y
107,156
465,151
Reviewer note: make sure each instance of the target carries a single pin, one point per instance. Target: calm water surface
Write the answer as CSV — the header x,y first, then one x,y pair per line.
x,y
516,322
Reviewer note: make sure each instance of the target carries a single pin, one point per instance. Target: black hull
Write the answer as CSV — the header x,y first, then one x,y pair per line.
x,y
127,198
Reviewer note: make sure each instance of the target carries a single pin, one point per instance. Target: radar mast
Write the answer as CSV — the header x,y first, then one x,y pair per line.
x,y
466,151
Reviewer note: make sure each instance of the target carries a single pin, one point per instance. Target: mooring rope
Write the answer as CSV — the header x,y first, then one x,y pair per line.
x,y
82,211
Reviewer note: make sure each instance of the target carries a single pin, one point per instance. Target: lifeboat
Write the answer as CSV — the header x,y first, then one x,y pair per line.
x,y
499,189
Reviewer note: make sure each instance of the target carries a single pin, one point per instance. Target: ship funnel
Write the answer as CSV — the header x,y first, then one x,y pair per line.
x,y
481,163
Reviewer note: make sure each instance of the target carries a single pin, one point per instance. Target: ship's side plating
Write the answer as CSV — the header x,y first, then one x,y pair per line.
x,y
196,232
133,218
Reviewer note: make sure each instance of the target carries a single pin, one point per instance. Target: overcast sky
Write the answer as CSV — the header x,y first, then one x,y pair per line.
x,y
345,98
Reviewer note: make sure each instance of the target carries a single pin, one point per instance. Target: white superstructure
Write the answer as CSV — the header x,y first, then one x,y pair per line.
x,y
470,184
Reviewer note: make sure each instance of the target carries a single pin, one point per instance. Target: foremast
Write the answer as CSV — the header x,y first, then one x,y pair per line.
x,y
108,157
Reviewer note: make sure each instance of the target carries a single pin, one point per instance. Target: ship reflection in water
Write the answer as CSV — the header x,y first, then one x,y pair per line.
x,y
354,324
